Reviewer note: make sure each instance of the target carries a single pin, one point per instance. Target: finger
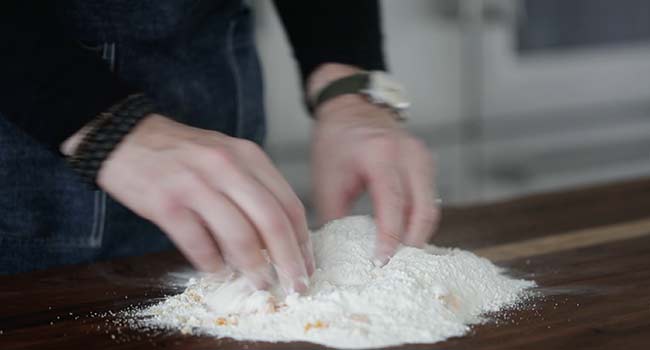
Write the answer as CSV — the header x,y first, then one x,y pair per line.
x,y
292,205
236,236
386,191
424,214
267,216
274,229
193,240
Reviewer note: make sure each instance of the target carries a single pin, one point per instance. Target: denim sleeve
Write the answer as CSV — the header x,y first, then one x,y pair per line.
x,y
339,31
50,86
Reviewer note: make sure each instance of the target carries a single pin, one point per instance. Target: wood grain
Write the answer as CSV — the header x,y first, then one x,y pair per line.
x,y
566,241
588,249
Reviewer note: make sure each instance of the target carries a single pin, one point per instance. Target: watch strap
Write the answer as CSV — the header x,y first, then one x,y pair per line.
x,y
352,84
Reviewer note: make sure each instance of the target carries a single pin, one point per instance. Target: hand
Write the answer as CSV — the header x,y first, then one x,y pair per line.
x,y
358,145
219,198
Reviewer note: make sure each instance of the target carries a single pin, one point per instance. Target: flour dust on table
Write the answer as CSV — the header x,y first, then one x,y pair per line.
x,y
419,296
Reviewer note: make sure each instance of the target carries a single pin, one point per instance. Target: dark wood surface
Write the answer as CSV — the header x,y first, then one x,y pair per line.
x,y
594,297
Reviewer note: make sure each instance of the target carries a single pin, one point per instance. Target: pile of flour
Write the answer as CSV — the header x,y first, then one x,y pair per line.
x,y
420,296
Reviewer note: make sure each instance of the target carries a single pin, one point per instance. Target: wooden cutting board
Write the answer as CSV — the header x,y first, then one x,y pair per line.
x,y
588,249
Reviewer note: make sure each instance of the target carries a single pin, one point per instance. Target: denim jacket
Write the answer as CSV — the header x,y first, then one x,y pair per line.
x,y
63,62
210,79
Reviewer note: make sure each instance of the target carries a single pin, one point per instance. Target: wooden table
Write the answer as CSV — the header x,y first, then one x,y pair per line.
x,y
589,249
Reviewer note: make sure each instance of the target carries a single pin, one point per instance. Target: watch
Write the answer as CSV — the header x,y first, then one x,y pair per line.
x,y
377,86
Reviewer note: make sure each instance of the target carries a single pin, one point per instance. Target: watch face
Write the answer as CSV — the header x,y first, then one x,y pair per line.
x,y
382,89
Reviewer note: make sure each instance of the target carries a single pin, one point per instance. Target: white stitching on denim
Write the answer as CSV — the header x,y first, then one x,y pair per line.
x,y
104,51
99,215
97,237
232,62
93,232
112,57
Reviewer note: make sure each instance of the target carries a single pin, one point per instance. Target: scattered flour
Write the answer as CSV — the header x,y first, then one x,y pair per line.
x,y
420,296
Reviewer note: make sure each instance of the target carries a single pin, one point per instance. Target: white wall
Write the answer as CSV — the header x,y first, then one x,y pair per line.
x,y
424,51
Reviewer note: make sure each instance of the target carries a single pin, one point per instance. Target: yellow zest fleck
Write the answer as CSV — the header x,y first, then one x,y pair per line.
x,y
268,308
316,325
221,321
195,297
363,318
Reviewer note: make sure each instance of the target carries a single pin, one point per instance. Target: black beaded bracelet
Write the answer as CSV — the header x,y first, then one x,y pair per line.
x,y
105,132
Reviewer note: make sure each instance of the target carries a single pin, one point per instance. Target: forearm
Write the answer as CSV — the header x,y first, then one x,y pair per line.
x,y
335,31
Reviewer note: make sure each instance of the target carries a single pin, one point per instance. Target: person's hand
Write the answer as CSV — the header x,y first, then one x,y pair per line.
x,y
357,146
219,198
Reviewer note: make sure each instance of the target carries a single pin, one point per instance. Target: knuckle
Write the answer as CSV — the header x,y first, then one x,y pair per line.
x,y
242,243
276,228
146,173
220,157
247,146
296,211
186,182
248,261
168,205
183,187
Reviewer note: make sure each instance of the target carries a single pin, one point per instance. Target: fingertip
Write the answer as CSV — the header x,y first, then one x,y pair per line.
x,y
292,283
301,285
308,254
260,278
385,247
419,242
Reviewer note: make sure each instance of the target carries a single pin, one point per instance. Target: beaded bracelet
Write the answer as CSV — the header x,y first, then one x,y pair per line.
x,y
106,131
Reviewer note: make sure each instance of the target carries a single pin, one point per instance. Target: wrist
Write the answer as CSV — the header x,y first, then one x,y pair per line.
x,y
336,87
87,149
349,104
70,145
354,109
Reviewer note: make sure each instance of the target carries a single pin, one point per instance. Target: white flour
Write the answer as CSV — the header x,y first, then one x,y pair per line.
x,y
420,296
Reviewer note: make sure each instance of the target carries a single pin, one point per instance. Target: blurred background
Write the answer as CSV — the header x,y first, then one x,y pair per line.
x,y
514,96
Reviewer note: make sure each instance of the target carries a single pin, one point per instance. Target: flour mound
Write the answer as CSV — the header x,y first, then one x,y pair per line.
x,y
420,296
